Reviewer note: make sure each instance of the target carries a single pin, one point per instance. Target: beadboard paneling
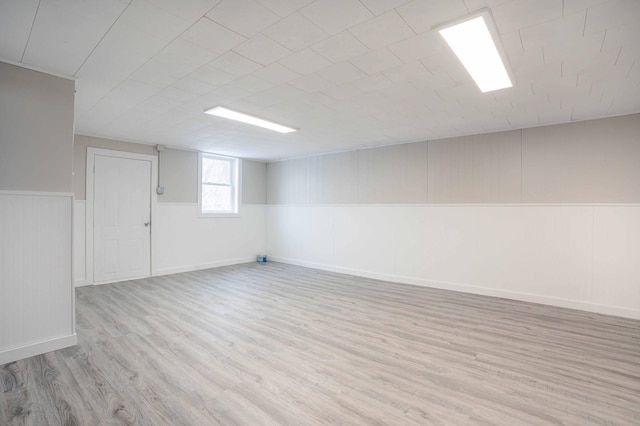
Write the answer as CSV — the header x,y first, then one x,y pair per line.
x,y
36,303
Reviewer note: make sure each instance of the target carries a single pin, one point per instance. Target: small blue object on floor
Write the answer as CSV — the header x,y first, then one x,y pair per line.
x,y
261,258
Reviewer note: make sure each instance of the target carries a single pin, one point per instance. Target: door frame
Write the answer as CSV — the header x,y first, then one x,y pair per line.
x,y
91,157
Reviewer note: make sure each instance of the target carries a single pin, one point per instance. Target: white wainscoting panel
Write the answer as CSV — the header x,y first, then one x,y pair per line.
x,y
186,242
36,289
79,243
578,256
616,259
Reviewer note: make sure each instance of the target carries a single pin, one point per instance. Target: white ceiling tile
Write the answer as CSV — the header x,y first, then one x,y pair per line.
x,y
221,96
189,10
289,111
343,91
104,112
16,18
316,99
131,92
623,36
595,75
252,84
159,104
518,14
311,83
447,63
212,76
427,81
422,15
589,110
212,36
572,6
382,30
88,93
274,95
587,45
123,36
334,16
111,68
526,75
193,85
140,84
378,7
176,94
558,30
235,64
62,38
474,5
305,61
372,83
576,64
526,60
511,42
613,13
340,47
376,61
262,49
417,47
180,57
341,73
246,17
295,32
406,71
284,7
143,16
276,74
149,72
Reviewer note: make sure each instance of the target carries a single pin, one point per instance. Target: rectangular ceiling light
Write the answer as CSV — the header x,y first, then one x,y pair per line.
x,y
244,118
472,42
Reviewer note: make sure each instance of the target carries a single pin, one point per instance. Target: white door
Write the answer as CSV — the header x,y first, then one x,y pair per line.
x,y
121,219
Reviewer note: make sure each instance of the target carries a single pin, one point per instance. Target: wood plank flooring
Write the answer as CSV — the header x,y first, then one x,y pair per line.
x,y
262,344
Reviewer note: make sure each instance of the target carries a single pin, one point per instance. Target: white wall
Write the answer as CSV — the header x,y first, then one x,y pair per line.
x,y
187,242
523,214
36,295
36,142
584,256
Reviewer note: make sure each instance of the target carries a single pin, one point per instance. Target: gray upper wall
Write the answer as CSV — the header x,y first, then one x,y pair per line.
x,y
178,171
36,130
594,161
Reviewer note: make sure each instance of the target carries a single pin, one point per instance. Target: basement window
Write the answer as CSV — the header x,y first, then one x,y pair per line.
x,y
218,190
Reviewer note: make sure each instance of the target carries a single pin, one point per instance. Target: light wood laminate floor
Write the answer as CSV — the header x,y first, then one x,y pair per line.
x,y
260,344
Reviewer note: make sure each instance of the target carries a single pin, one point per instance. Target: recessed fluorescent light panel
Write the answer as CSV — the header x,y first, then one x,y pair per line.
x,y
474,41
244,118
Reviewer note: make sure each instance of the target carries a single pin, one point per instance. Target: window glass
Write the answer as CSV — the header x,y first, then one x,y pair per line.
x,y
218,184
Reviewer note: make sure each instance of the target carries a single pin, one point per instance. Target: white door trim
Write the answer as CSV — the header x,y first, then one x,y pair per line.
x,y
91,155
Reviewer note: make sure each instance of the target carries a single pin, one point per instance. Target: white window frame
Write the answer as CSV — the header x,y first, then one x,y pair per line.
x,y
236,185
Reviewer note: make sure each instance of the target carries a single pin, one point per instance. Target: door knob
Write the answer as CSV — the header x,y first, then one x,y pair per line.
x,y
147,223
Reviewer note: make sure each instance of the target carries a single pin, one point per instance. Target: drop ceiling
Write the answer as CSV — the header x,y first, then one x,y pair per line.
x,y
346,73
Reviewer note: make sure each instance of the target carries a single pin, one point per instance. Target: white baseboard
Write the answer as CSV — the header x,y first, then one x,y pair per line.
x,y
190,268
466,288
37,348
82,283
